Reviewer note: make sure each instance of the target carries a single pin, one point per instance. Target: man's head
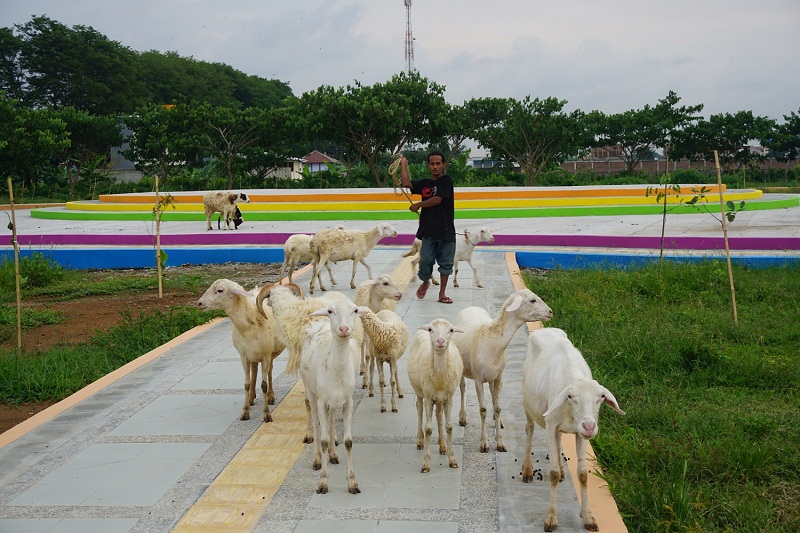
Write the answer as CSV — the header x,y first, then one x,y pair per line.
x,y
436,164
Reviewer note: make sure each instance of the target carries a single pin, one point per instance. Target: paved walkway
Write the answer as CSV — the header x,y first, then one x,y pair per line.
x,y
158,445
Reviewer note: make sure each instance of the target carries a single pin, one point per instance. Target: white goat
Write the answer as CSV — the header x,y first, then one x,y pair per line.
x,y
560,395
293,315
328,374
464,249
377,294
388,339
434,369
334,244
296,250
224,203
483,350
253,337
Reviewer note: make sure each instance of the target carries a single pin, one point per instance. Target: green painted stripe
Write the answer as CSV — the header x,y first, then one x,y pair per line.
x,y
530,212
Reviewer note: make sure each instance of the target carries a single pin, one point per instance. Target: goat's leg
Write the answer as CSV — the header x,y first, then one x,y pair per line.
x,y
333,457
364,356
448,425
527,467
494,388
371,362
310,427
266,370
330,274
347,422
426,463
247,386
382,384
583,476
353,276
323,444
554,454
394,384
420,435
482,405
475,274
269,394
440,428
462,413
455,274
311,401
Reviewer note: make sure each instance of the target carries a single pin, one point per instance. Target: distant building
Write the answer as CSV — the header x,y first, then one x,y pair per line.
x,y
317,161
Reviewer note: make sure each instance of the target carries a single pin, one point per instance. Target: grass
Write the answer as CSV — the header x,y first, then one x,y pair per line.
x,y
709,442
59,372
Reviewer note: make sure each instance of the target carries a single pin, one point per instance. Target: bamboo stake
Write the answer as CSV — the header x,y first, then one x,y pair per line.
x,y
158,240
725,236
664,211
16,264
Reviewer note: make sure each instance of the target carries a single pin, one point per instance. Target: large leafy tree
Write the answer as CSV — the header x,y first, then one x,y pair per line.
x,y
77,67
11,77
464,121
638,132
91,139
534,133
29,141
728,134
162,140
784,141
370,122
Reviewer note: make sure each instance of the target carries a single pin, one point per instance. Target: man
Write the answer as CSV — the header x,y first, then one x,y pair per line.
x,y
437,229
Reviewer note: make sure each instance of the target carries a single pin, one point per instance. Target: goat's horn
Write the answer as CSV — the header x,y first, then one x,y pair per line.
x,y
263,294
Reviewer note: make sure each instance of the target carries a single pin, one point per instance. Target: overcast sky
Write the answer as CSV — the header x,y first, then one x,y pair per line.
x,y
610,55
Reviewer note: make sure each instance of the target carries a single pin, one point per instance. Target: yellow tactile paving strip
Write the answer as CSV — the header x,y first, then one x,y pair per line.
x,y
238,497
602,502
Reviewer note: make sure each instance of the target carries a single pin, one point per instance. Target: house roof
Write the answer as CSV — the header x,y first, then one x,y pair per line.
x,y
319,157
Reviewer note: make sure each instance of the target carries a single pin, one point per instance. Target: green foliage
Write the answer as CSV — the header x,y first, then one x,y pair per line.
x,y
35,271
712,409
57,373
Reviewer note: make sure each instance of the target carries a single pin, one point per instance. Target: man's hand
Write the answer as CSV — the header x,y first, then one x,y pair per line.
x,y
415,207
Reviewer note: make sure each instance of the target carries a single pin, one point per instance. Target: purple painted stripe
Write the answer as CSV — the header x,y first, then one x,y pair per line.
x,y
272,239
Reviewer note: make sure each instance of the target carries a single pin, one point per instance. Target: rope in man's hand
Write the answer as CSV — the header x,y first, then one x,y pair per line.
x,y
394,166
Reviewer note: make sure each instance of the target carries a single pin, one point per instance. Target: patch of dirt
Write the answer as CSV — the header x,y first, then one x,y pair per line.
x,y
85,316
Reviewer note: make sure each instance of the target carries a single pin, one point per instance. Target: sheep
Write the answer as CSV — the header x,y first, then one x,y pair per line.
x,y
223,202
388,338
253,337
328,373
560,395
293,315
464,249
296,250
338,245
483,351
435,369
236,218
380,293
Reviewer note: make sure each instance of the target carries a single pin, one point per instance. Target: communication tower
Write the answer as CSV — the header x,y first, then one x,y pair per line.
x,y
409,38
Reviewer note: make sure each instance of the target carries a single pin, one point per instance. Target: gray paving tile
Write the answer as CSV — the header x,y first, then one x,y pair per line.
x,y
184,415
68,525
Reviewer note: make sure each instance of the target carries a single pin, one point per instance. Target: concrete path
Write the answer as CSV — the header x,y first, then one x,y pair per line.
x,y
149,451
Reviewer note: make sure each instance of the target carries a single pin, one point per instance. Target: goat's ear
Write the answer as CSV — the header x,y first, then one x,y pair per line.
x,y
515,303
457,330
611,401
562,397
368,283
320,312
241,292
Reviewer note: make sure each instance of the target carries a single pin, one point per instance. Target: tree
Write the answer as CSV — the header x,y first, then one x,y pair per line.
x,y
91,139
464,121
11,76
784,142
639,132
77,67
161,140
377,120
728,134
29,141
535,134
227,133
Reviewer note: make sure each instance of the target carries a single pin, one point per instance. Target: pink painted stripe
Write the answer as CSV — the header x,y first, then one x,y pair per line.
x,y
273,239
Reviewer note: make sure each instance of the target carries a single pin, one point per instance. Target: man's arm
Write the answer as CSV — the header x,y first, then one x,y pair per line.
x,y
405,180
430,202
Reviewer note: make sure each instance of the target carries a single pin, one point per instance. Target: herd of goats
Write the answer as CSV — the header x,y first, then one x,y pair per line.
x,y
332,339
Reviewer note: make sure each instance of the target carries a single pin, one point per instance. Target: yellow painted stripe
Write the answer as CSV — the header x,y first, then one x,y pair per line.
x,y
402,205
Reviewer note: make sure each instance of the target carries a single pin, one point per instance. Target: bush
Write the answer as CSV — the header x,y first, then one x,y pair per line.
x,y
35,270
